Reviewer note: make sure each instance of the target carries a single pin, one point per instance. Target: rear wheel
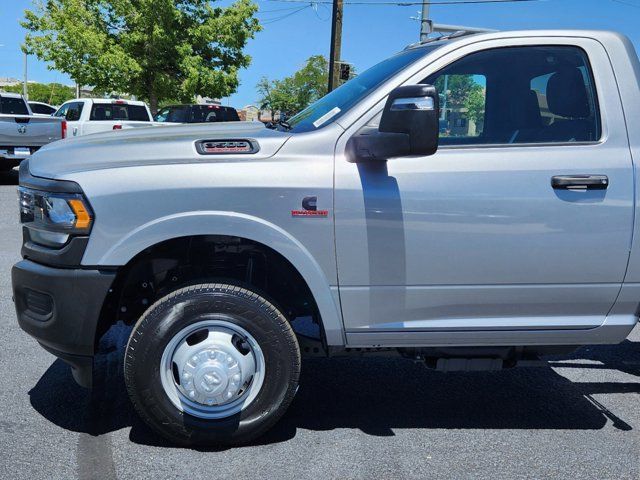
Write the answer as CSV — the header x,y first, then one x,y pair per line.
x,y
212,364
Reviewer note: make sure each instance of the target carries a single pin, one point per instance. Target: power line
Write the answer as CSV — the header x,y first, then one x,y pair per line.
x,y
285,9
282,17
628,4
409,3
315,9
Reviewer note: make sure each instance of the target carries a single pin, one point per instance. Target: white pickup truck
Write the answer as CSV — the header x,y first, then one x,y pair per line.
x,y
94,115
21,132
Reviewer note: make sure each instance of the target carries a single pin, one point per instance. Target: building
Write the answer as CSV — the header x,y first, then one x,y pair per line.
x,y
266,116
458,124
207,100
9,82
249,113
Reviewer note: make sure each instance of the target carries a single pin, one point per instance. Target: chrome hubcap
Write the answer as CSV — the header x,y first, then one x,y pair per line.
x,y
212,369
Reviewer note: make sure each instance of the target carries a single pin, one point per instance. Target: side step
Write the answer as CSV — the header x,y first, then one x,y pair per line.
x,y
480,364
469,364
442,360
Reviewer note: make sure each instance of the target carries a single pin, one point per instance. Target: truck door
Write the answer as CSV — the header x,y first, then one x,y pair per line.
x,y
521,221
72,113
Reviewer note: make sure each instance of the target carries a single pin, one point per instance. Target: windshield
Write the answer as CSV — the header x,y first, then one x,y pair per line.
x,y
334,104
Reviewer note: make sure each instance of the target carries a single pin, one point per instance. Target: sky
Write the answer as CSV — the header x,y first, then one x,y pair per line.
x,y
294,31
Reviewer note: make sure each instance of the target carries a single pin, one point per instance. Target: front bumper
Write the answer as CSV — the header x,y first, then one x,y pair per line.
x,y
8,162
60,308
9,158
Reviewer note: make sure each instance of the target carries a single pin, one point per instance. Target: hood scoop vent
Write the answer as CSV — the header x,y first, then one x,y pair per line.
x,y
227,146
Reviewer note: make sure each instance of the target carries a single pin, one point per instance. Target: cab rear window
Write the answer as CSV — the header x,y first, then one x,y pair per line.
x,y
173,114
13,106
108,112
211,113
197,114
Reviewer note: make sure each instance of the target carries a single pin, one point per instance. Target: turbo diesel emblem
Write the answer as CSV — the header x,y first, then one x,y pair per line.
x,y
310,209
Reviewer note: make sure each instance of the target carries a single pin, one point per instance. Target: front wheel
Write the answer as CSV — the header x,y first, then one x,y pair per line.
x,y
212,364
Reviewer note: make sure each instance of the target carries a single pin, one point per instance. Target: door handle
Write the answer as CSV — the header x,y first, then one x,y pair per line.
x,y
580,182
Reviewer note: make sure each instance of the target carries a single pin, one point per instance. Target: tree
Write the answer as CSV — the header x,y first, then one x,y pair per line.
x,y
267,100
294,93
474,103
463,92
52,93
154,49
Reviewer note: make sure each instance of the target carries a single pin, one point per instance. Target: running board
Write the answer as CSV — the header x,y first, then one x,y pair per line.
x,y
480,364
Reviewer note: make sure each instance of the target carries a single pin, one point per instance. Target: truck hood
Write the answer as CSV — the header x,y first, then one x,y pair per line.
x,y
152,145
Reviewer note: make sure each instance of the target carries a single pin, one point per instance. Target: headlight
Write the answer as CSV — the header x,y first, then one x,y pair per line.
x,y
53,217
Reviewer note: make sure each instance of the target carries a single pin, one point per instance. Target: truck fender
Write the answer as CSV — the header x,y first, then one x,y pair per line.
x,y
237,225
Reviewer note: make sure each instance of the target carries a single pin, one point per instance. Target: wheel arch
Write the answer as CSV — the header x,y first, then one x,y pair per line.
x,y
233,225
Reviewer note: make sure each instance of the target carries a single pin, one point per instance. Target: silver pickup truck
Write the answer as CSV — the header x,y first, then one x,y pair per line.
x,y
23,133
469,203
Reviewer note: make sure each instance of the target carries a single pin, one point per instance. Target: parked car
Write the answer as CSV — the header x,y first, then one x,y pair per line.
x,y
44,109
509,238
93,115
197,113
21,132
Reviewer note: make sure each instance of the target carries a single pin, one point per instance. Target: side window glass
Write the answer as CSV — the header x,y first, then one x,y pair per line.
x,y
462,105
560,108
62,111
162,115
179,115
538,85
74,111
537,94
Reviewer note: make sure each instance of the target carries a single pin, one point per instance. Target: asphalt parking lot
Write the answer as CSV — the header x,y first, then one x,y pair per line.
x,y
352,418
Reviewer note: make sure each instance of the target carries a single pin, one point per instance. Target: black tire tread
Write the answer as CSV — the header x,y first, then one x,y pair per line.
x,y
263,304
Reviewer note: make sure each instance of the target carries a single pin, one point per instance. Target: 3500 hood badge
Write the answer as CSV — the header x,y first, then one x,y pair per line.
x,y
310,209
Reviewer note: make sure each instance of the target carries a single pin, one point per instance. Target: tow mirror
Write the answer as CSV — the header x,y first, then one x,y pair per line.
x,y
409,126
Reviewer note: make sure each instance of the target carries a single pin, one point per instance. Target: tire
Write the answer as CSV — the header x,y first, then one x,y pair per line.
x,y
164,337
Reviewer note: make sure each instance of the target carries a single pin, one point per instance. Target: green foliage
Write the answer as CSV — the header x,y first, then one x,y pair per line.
x,y
294,93
51,93
458,88
462,91
155,49
474,103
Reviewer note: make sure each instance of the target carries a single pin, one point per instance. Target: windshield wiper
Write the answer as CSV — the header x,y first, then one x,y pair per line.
x,y
279,125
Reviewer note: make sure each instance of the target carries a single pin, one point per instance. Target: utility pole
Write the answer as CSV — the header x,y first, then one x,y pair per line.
x,y
443,107
25,92
336,42
425,25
